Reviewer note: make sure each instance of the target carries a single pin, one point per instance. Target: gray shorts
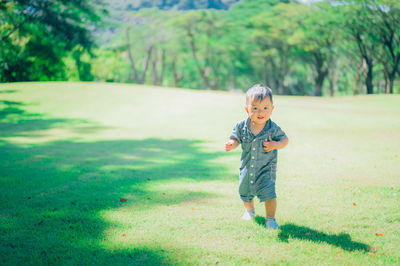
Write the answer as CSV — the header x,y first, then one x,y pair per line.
x,y
263,188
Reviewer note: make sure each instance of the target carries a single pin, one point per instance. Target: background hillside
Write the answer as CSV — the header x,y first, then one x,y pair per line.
x,y
171,4
120,12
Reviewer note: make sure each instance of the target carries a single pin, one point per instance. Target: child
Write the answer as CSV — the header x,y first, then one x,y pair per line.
x,y
260,139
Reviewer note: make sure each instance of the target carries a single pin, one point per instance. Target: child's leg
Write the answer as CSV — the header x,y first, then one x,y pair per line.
x,y
249,205
270,208
250,212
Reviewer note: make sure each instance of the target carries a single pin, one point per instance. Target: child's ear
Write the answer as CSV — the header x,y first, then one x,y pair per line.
x,y
247,109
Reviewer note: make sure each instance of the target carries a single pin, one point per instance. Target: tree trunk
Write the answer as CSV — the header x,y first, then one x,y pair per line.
x,y
388,82
131,59
232,81
333,77
390,40
142,79
368,60
390,75
319,82
283,69
214,67
204,72
154,74
274,74
264,73
369,78
158,67
204,75
321,74
162,71
360,71
177,76
77,57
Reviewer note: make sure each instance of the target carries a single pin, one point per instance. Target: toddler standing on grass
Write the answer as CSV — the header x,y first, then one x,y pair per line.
x,y
260,139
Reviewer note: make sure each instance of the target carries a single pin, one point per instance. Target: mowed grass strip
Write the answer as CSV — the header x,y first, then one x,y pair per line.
x,y
118,174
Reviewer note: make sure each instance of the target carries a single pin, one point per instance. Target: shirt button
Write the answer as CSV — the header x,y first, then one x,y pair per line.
x,y
251,181
251,174
254,140
252,157
254,149
252,166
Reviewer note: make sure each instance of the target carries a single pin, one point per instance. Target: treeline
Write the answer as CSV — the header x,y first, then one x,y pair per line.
x,y
325,48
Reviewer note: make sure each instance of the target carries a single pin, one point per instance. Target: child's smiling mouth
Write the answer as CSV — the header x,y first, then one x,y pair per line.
x,y
260,117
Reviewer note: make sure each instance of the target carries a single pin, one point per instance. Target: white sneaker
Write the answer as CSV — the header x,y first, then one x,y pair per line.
x,y
271,223
248,215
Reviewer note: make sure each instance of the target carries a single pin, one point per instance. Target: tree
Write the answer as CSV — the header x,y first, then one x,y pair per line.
x,y
204,30
146,34
317,34
36,35
271,33
360,24
388,27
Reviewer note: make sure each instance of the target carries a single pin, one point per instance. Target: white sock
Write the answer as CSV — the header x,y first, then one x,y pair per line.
x,y
252,212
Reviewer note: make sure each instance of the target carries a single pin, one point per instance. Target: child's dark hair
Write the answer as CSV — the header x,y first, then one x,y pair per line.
x,y
258,93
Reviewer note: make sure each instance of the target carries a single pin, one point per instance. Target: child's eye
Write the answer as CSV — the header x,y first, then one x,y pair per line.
x,y
265,108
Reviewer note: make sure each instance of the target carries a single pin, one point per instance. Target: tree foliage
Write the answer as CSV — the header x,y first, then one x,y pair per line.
x,y
295,48
374,26
36,35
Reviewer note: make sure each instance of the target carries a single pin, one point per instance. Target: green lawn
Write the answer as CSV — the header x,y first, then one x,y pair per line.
x,y
69,152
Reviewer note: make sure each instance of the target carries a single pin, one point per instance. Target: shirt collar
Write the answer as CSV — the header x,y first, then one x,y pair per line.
x,y
262,132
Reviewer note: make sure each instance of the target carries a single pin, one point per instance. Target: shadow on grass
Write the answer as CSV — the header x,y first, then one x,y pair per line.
x,y
81,255
259,220
10,108
16,121
52,194
342,240
8,91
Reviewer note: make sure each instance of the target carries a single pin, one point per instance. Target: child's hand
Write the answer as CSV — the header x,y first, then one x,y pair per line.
x,y
269,145
229,145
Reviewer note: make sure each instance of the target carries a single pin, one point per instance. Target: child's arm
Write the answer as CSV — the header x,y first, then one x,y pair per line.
x,y
275,145
231,144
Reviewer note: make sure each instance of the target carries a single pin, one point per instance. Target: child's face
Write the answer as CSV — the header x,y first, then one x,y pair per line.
x,y
259,111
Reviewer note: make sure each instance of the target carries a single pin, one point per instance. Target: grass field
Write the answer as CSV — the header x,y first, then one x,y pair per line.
x,y
132,175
